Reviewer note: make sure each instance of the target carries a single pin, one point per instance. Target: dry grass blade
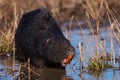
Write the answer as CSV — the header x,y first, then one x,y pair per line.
x,y
19,71
89,23
28,68
114,25
70,24
67,34
111,39
81,54
15,76
81,31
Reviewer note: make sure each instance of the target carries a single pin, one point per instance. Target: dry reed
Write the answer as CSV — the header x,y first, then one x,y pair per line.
x,y
100,43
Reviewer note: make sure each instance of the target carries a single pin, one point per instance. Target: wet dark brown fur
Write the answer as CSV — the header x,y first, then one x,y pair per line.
x,y
39,38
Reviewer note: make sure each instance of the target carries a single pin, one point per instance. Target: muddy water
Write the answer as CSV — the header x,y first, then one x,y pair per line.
x,y
74,70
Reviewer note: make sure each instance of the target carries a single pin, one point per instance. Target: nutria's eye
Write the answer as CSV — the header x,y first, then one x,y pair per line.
x,y
69,49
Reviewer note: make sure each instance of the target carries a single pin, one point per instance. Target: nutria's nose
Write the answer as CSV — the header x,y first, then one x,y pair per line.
x,y
71,50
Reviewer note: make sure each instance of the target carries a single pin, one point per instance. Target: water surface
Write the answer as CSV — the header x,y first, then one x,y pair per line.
x,y
74,70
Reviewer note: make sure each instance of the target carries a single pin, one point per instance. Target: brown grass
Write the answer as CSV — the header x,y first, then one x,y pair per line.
x,y
8,31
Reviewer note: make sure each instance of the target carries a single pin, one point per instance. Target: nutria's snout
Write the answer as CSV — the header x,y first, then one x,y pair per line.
x,y
69,56
67,60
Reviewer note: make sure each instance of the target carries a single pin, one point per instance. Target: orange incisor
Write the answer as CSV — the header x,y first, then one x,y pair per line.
x,y
68,59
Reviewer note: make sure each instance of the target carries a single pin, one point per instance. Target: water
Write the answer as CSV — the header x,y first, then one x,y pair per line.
x,y
74,70
89,41
6,65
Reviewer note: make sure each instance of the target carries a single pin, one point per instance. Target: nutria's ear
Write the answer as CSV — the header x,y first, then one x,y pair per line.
x,y
48,40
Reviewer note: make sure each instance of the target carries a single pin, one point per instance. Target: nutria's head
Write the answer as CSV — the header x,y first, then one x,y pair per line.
x,y
59,52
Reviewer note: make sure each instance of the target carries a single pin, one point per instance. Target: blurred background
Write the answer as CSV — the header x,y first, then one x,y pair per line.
x,y
62,9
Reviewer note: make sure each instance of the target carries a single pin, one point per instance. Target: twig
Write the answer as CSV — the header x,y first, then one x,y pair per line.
x,y
17,75
29,68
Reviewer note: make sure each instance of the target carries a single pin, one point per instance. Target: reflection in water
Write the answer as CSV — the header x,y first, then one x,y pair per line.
x,y
73,69
6,64
53,74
